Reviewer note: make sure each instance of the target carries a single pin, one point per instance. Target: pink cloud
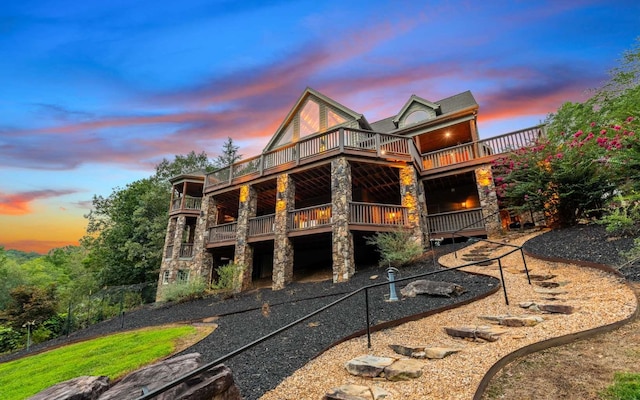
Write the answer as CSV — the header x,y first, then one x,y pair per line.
x,y
38,246
20,203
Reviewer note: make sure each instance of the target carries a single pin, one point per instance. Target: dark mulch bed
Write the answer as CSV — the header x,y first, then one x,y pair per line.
x,y
590,243
243,321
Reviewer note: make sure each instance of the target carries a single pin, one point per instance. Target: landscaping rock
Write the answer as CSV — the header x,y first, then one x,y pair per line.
x,y
356,392
550,308
554,292
544,277
488,333
81,388
422,352
433,288
368,366
403,370
513,321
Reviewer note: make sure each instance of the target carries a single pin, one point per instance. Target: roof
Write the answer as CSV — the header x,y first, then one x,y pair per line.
x,y
457,102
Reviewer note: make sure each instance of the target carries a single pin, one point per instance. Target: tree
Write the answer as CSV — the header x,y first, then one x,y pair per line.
x,y
229,155
30,304
590,152
10,276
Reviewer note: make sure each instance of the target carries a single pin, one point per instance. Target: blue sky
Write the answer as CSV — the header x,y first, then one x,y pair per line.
x,y
93,94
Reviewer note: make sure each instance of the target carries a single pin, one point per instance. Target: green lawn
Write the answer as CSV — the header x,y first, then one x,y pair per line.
x,y
113,356
626,386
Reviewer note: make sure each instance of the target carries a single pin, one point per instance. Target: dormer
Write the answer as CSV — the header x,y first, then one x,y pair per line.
x,y
416,110
314,113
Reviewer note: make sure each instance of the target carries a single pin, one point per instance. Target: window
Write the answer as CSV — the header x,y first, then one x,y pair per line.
x,y
309,118
165,277
333,119
287,136
416,116
183,276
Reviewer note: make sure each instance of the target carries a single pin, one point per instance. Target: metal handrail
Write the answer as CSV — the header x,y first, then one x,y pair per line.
x,y
365,289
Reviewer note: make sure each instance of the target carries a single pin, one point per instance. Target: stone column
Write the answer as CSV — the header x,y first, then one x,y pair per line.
x,y
282,246
488,201
343,261
244,252
202,259
409,196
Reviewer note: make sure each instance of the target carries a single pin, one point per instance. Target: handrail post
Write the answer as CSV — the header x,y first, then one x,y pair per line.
x,y
525,265
504,287
366,302
341,140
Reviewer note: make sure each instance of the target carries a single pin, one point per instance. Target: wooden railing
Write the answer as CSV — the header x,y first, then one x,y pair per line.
x,y
378,214
221,233
310,217
190,203
366,142
262,225
452,221
186,250
483,148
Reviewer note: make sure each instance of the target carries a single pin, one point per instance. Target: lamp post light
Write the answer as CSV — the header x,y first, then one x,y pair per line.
x,y
28,325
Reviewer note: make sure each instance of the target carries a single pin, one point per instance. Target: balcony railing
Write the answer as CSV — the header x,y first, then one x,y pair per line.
x,y
483,148
262,225
378,214
310,217
453,221
364,142
190,203
186,250
222,233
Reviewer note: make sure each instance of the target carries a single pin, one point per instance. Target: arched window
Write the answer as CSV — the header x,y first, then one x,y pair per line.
x,y
416,116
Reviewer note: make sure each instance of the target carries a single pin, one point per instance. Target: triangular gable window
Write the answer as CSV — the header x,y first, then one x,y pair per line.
x,y
309,118
334,119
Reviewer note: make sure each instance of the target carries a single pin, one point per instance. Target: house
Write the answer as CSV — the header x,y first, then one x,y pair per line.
x,y
327,179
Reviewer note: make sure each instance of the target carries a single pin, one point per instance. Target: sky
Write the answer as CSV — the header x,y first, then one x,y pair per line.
x,y
94,94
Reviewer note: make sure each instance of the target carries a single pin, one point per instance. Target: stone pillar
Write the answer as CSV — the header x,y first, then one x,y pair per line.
x,y
282,246
343,261
202,259
488,201
409,196
244,252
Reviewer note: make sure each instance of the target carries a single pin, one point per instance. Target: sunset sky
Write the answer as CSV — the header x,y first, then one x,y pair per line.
x,y
93,94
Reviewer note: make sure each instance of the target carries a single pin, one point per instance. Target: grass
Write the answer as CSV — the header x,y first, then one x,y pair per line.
x,y
113,356
626,386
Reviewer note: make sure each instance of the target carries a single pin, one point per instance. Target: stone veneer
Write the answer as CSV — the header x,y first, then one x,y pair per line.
x,y
244,251
341,196
282,247
488,201
410,199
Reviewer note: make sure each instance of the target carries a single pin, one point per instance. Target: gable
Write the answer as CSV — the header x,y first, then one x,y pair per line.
x,y
313,113
416,110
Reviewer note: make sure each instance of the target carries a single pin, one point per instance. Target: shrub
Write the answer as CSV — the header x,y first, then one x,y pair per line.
x,y
623,217
396,248
9,339
194,289
228,276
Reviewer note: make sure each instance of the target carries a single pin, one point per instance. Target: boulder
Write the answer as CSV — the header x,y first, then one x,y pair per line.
x,y
81,388
403,370
368,366
432,288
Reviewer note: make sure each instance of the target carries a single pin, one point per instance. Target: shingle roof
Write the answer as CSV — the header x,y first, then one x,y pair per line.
x,y
384,125
457,102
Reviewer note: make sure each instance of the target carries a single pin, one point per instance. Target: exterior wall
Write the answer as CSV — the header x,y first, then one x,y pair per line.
x,y
488,201
341,196
409,195
282,246
244,251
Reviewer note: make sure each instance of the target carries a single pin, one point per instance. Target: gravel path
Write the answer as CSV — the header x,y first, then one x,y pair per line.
x,y
245,318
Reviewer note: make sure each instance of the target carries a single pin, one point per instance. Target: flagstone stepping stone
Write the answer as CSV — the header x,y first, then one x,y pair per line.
x,y
544,277
403,370
422,352
356,392
433,288
368,366
550,308
547,284
488,333
554,292
513,321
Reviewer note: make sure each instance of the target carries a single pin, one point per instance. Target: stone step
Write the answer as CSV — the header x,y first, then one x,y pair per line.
x,y
356,392
422,352
488,333
544,277
391,369
513,321
550,308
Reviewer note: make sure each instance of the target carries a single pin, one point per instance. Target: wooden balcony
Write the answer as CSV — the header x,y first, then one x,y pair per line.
x,y
311,149
469,222
186,250
480,151
262,227
186,203
222,235
373,216
317,218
